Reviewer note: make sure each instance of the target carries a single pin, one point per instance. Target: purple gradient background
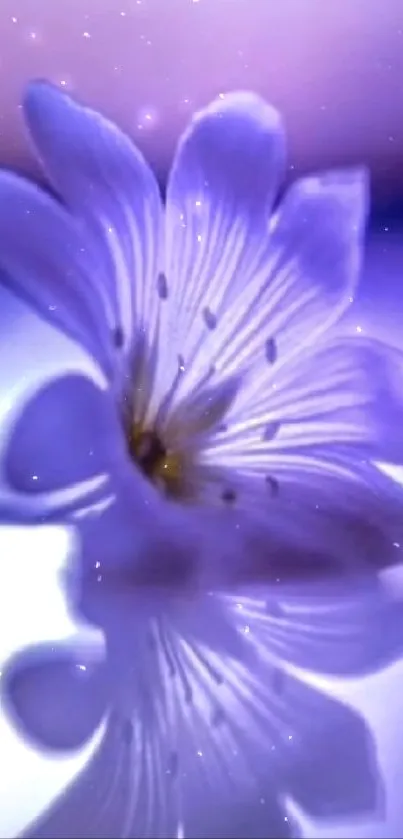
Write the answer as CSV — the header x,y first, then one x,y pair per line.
x,y
335,69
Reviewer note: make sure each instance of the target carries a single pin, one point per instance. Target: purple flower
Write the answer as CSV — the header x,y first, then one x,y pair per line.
x,y
207,357
194,414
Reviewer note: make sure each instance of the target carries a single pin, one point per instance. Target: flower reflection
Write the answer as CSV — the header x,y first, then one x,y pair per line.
x,y
215,453
209,729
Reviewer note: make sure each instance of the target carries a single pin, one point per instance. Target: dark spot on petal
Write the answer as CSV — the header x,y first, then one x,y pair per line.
x,y
118,337
228,496
181,363
271,431
273,485
222,428
271,350
173,764
188,694
162,286
209,318
127,732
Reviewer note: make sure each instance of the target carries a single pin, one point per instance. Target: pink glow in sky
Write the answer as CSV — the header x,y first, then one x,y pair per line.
x,y
334,67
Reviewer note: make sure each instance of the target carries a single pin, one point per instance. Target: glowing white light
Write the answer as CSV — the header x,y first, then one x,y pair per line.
x,y
392,471
33,605
147,118
33,609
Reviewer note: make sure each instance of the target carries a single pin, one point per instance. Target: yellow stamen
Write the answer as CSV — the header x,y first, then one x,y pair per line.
x,y
162,466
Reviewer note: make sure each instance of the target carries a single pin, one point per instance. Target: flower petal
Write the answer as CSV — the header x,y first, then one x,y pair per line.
x,y
294,454
338,628
106,182
247,287
44,260
220,193
341,776
308,278
314,519
202,742
55,695
32,371
66,437
345,394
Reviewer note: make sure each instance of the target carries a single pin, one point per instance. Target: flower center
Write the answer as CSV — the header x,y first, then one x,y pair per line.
x,y
162,466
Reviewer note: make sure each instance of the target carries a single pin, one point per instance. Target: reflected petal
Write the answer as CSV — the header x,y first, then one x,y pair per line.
x,y
333,771
55,696
200,736
344,628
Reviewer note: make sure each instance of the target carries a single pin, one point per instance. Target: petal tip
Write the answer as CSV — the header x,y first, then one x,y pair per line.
x,y
348,187
37,87
351,178
36,96
354,184
42,97
245,104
